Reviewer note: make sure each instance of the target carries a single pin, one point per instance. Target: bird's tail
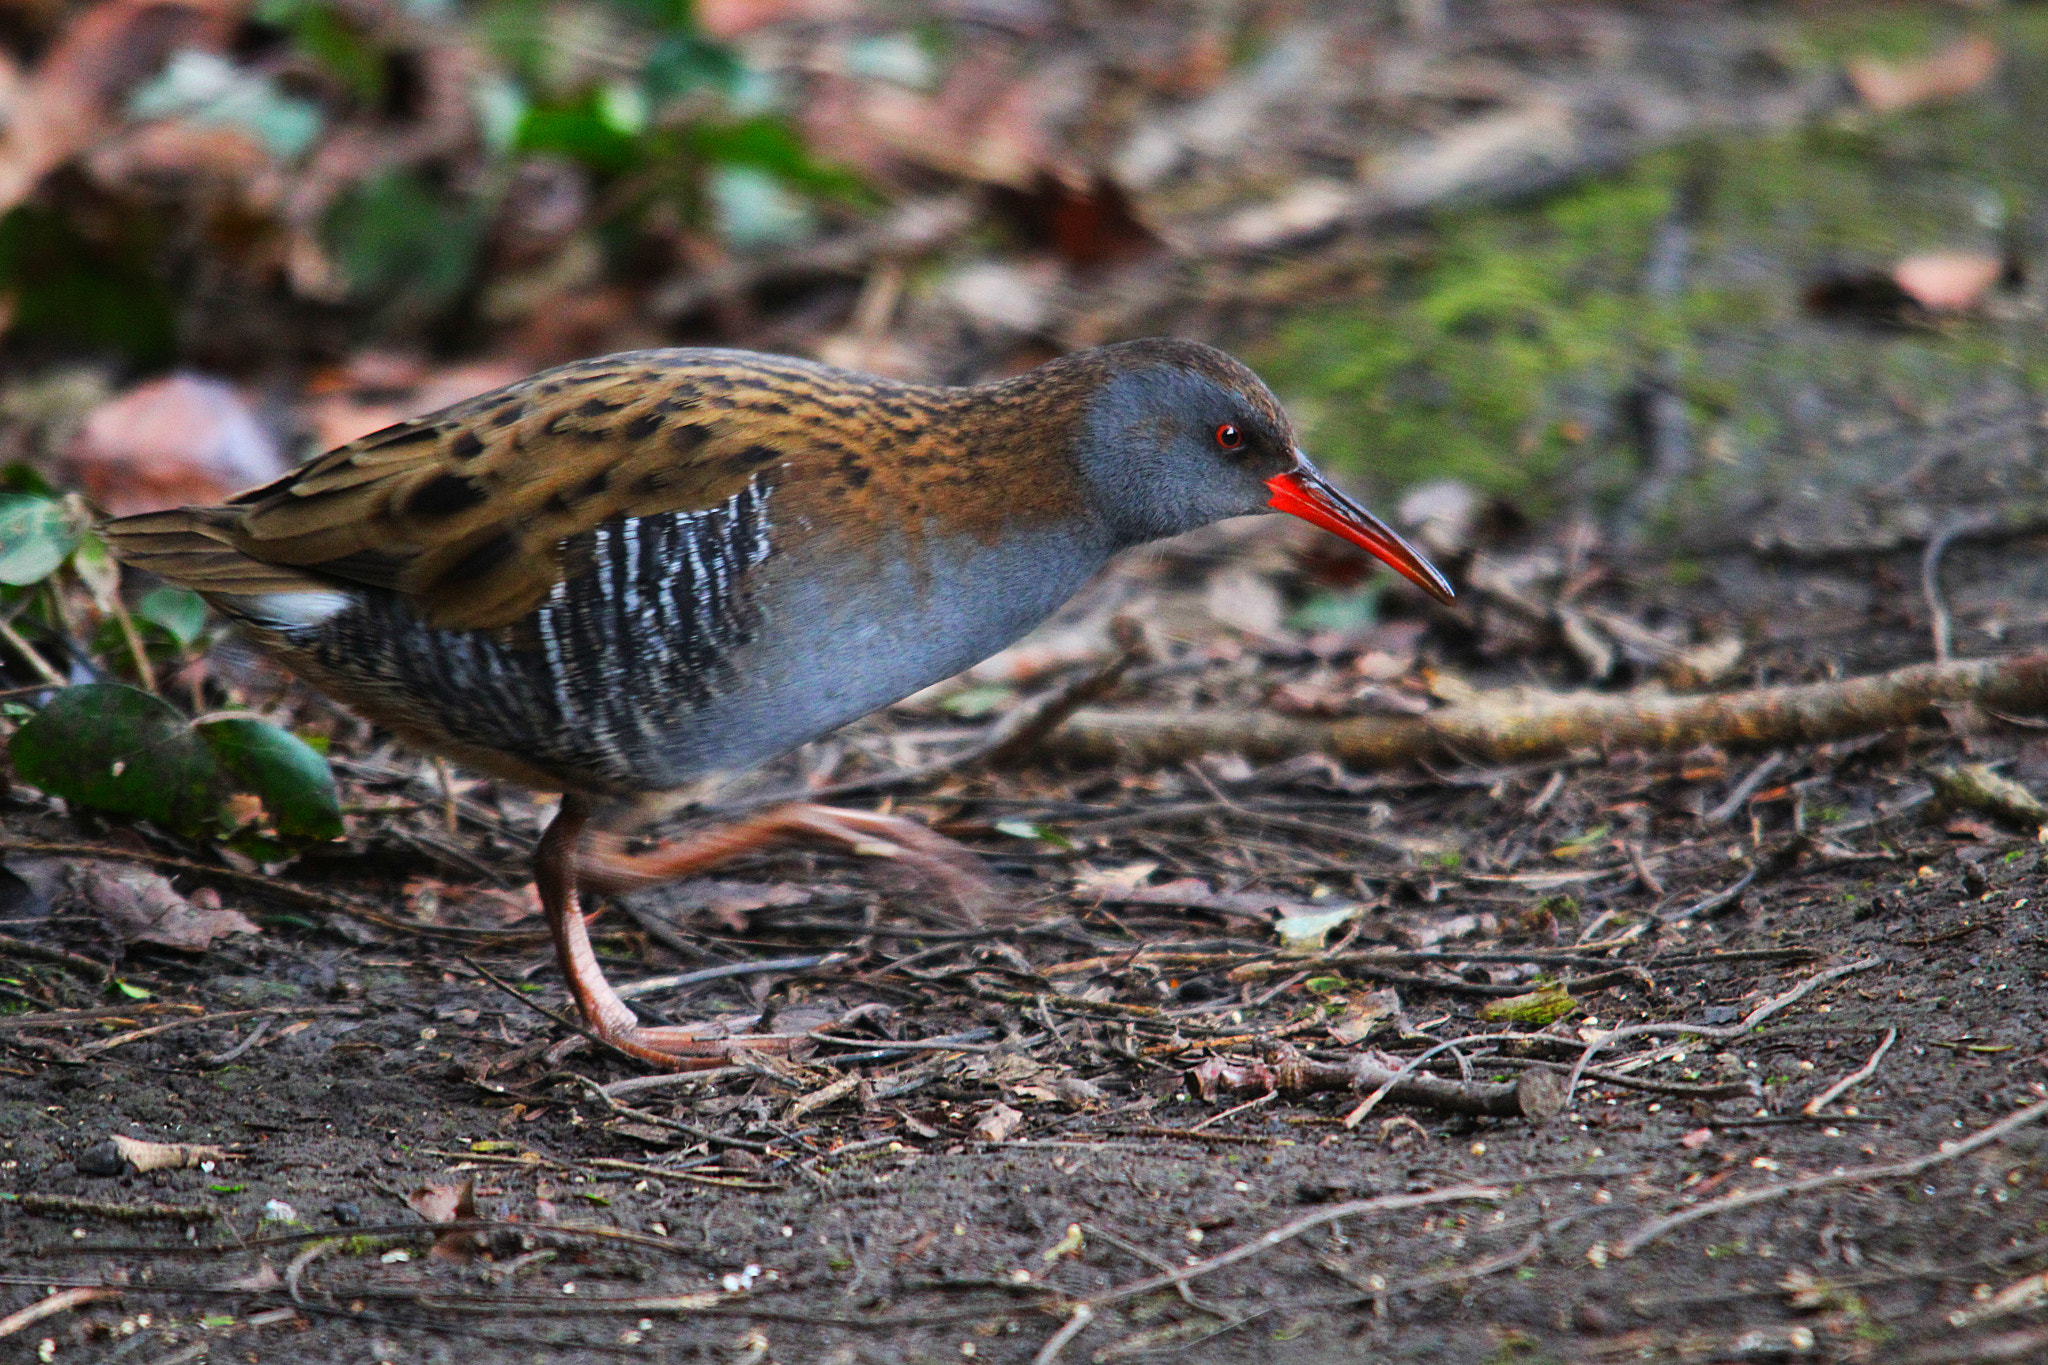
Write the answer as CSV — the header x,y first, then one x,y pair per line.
x,y
193,547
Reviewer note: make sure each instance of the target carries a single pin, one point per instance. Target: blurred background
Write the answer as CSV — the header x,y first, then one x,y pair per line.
x,y
1673,271
1701,344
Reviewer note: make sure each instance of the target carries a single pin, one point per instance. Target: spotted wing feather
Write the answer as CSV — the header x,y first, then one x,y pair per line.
x,y
469,511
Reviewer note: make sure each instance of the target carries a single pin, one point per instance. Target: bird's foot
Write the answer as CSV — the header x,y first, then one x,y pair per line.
x,y
685,1047
933,857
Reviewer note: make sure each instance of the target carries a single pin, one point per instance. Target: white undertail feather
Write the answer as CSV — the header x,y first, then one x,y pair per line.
x,y
292,610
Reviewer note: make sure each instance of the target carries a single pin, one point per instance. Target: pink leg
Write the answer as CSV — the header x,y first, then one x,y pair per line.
x,y
930,855
554,869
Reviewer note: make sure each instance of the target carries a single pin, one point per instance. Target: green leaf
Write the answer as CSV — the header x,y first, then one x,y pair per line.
x,y
1339,611
96,568
118,749
98,291
971,703
582,131
293,782
133,992
1027,829
180,611
769,144
682,62
24,478
36,536
753,208
405,243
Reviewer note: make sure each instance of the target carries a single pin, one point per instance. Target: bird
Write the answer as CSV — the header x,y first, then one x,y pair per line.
x,y
624,577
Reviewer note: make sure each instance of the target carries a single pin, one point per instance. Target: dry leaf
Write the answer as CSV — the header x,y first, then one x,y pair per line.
x,y
997,1123
1948,282
444,1203
1365,1014
169,442
139,906
1104,880
141,1156
433,901
68,101
263,1277
1954,71
1090,224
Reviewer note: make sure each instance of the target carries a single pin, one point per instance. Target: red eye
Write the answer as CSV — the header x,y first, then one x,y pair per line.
x,y
1229,437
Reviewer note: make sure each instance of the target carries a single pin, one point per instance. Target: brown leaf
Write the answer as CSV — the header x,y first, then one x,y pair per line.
x,y
1089,224
1365,1014
1949,74
1948,281
141,1156
263,1277
443,1203
997,1122
434,901
139,906
66,103
168,442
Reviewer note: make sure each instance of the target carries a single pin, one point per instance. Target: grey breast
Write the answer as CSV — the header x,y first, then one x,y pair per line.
x,y
690,643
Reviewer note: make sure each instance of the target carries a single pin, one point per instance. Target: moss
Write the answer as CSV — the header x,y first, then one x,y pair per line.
x,y
1506,351
1479,360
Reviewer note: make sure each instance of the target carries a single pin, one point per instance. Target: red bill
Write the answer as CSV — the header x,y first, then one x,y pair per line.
x,y
1305,493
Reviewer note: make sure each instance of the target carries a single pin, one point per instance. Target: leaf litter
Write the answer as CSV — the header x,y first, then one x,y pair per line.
x,y
1530,1068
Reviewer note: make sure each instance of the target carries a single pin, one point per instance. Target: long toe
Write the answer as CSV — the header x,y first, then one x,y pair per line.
x,y
930,857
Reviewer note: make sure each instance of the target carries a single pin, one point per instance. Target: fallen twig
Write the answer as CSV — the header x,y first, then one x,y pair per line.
x,y
77,962
1966,524
1856,1077
1746,788
1519,726
1018,733
1265,1242
1077,1320
70,1206
1537,1095
1747,1022
1727,895
1885,1170
62,1301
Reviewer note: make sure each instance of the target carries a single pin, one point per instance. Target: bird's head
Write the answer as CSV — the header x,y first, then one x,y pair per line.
x,y
1178,435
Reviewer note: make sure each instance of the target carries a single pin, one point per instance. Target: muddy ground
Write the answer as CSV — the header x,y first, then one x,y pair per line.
x,y
1002,1149
875,1200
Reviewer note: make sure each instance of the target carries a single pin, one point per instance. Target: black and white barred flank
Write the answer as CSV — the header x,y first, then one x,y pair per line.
x,y
603,678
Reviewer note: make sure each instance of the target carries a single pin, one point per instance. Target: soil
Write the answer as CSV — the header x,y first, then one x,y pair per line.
x,y
864,1201
1002,1149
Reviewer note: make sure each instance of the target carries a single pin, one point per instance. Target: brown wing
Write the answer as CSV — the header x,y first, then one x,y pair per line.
x,y
467,511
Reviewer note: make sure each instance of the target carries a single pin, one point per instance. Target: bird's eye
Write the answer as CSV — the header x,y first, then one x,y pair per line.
x,y
1229,437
